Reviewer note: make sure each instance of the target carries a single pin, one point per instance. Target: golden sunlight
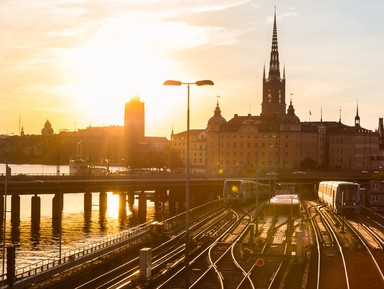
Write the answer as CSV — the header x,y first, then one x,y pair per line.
x,y
109,70
113,205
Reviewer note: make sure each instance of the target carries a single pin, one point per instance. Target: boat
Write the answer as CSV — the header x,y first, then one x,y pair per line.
x,y
77,165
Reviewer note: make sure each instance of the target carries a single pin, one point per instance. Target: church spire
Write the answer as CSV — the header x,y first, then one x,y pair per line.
x,y
274,65
357,117
273,103
264,72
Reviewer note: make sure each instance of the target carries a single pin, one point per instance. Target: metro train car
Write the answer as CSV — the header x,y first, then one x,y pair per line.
x,y
342,197
238,191
285,204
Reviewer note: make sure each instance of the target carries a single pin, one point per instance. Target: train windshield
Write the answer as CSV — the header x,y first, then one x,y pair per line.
x,y
232,188
349,193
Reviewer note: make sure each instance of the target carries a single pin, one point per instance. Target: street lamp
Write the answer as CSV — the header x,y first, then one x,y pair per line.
x,y
178,83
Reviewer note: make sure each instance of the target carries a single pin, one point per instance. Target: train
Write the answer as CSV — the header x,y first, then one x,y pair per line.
x,y
341,196
239,191
285,204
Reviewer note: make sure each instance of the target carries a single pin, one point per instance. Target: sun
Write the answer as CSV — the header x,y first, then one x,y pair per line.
x,y
110,69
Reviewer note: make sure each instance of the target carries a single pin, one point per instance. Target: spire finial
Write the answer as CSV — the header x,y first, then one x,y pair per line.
x,y
274,65
357,117
264,72
321,114
217,97
340,114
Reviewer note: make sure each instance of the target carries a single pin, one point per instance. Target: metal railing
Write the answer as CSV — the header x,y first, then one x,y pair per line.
x,y
76,257
73,255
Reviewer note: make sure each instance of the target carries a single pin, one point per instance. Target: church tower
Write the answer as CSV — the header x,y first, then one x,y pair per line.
x,y
274,86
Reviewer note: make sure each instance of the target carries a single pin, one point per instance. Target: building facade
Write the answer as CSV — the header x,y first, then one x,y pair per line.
x,y
276,140
134,129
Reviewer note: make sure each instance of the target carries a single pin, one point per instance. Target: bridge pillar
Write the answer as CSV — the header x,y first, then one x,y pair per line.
x,y
122,204
131,198
87,202
103,203
142,206
57,206
57,212
15,208
35,211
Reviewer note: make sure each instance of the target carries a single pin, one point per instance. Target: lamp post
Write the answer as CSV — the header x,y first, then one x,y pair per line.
x,y
187,173
61,205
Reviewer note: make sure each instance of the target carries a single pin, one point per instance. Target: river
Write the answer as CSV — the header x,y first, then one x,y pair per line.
x,y
33,244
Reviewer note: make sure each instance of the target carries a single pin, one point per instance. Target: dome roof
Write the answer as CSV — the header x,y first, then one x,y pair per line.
x,y
47,129
216,118
291,117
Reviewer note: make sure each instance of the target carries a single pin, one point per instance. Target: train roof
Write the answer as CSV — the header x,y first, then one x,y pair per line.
x,y
338,182
285,199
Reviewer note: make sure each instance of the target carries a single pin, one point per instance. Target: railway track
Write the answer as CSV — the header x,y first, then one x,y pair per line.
x,y
345,258
246,261
204,271
165,258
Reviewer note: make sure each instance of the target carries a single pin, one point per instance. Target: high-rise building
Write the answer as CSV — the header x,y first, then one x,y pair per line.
x,y
134,129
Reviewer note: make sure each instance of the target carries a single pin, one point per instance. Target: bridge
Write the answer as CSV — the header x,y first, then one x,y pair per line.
x,y
161,185
202,191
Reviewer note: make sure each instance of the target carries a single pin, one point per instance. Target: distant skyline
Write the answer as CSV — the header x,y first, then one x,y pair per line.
x,y
76,62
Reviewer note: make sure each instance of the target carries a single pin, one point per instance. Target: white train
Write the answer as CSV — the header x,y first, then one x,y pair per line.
x,y
239,191
341,197
285,204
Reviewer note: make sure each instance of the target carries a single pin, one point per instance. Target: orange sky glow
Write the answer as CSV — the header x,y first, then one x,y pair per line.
x,y
77,62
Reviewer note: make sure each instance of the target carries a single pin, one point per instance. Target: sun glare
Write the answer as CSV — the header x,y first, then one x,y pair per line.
x,y
109,70
113,205
125,58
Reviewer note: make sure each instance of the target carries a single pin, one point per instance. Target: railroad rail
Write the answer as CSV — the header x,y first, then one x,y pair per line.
x,y
343,249
39,272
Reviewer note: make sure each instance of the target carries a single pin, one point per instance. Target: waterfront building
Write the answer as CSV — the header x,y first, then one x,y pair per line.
x,y
198,148
276,140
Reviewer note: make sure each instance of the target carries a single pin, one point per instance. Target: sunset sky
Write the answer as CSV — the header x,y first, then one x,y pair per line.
x,y
76,62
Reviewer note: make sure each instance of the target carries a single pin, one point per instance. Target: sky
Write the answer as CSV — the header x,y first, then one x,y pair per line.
x,y
76,62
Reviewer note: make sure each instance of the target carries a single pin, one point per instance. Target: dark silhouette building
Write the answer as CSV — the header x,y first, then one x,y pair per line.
x,y
134,130
47,129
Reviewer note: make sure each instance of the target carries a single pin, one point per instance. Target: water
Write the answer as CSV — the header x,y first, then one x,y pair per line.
x,y
77,230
